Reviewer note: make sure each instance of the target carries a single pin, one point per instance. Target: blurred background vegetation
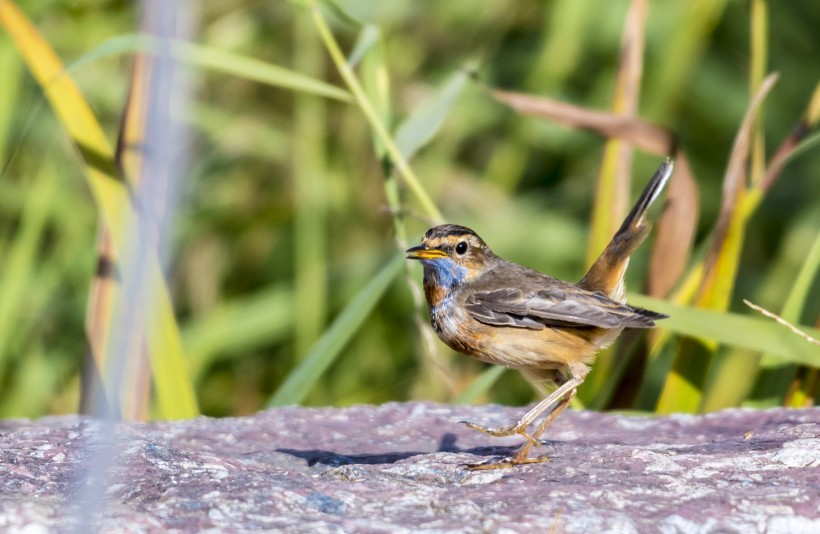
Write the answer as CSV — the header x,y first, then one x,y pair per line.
x,y
290,208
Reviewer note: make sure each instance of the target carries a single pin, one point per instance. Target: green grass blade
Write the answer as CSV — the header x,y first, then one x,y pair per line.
x,y
175,393
759,38
741,331
256,70
220,61
376,88
423,124
808,143
300,381
369,37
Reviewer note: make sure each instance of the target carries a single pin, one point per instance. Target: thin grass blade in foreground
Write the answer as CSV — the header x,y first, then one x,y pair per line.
x,y
174,392
135,400
158,161
98,319
161,164
133,155
300,381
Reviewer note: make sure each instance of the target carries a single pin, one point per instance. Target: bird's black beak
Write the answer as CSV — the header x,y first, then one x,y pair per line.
x,y
423,253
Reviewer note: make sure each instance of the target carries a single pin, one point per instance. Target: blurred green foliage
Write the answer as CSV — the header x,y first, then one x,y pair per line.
x,y
285,215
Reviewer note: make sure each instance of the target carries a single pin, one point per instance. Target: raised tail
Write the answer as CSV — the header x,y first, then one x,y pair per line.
x,y
607,273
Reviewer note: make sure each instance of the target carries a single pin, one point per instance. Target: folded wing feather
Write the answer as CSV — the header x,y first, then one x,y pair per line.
x,y
555,307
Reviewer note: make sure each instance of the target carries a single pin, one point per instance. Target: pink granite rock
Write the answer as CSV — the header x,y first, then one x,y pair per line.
x,y
400,468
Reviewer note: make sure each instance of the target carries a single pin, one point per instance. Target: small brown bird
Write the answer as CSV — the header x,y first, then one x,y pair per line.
x,y
506,314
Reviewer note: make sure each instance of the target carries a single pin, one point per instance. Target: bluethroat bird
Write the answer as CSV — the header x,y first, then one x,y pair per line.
x,y
507,314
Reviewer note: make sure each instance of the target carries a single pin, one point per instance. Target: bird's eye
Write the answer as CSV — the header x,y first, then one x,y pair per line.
x,y
461,248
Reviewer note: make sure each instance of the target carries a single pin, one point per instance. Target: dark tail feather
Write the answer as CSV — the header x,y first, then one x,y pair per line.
x,y
650,193
644,318
607,273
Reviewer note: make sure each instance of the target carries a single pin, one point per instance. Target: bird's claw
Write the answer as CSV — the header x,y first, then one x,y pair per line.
x,y
506,463
498,432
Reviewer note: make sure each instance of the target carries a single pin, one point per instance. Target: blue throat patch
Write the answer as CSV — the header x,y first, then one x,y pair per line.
x,y
445,272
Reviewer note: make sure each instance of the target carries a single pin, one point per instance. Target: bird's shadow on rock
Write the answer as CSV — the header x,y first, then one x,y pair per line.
x,y
336,459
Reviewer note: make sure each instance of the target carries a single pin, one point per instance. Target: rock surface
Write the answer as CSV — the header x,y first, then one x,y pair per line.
x,y
400,468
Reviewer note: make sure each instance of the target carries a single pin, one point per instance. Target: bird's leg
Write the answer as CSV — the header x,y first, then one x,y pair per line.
x,y
521,456
521,426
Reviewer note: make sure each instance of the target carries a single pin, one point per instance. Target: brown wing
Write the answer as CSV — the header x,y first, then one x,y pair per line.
x,y
555,307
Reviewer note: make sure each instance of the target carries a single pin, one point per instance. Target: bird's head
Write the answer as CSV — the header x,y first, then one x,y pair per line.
x,y
452,254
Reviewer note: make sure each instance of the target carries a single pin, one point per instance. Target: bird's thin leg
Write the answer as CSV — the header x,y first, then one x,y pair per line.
x,y
521,455
521,426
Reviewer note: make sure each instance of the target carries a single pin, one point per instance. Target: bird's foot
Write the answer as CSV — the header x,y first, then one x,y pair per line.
x,y
506,463
517,428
